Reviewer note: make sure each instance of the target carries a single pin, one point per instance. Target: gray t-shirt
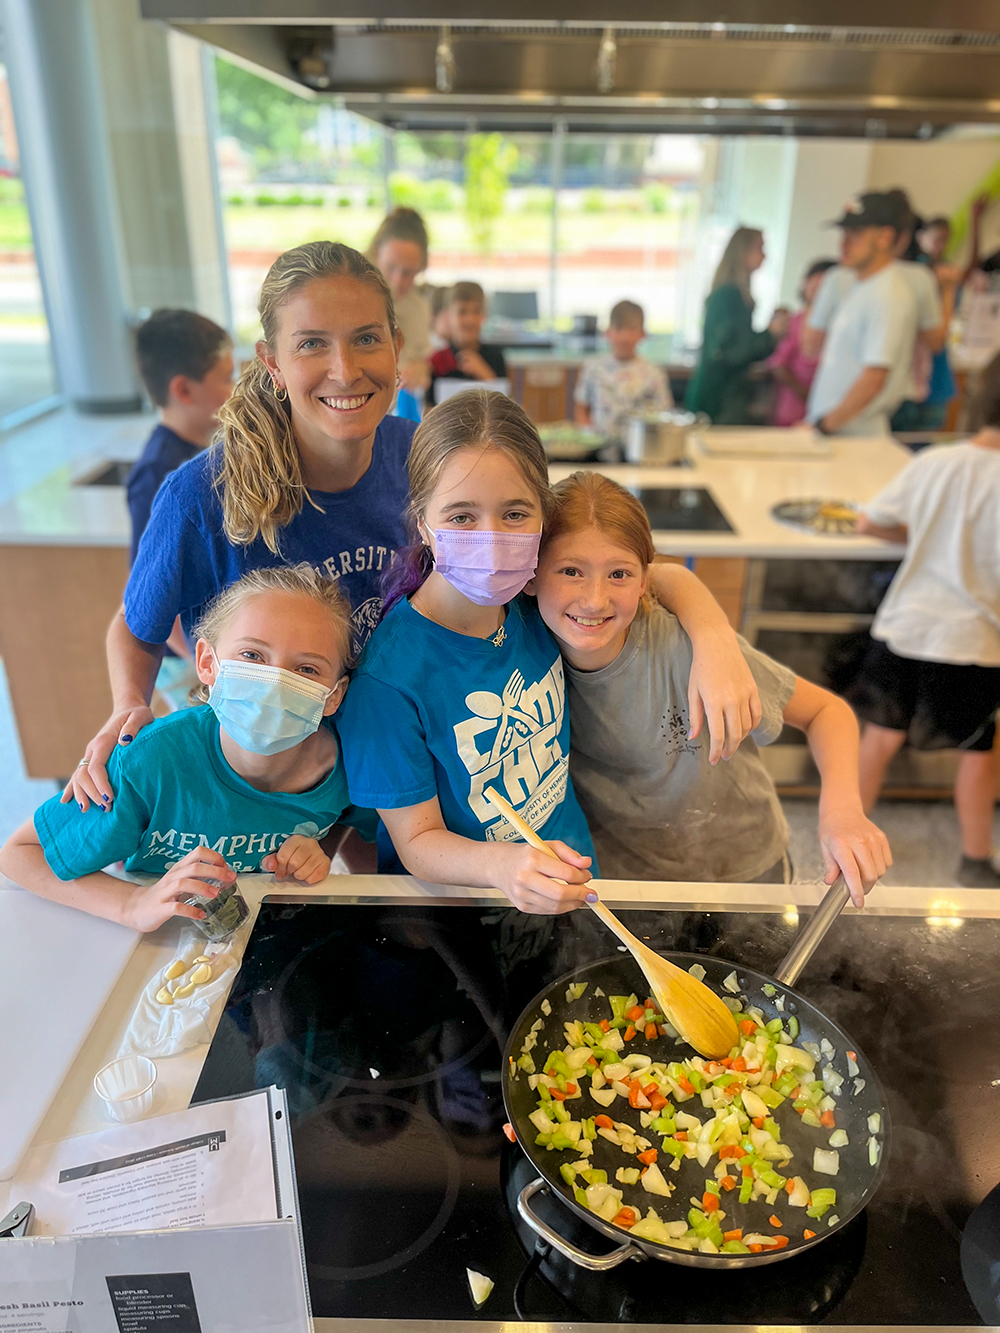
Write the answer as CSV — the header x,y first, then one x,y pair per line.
x,y
656,808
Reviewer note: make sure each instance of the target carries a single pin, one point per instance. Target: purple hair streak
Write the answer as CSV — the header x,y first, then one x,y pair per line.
x,y
404,576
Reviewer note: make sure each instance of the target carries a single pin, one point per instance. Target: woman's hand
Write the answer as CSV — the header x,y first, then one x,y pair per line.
x,y
723,692
535,882
90,780
854,847
298,858
151,905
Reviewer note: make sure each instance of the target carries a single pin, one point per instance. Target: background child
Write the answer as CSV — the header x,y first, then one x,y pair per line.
x,y
465,357
610,389
186,364
792,369
656,808
250,782
932,672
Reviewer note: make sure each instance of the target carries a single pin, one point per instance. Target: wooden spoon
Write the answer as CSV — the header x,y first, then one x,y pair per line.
x,y
699,1015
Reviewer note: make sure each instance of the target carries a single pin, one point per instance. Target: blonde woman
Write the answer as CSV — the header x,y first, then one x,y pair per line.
x,y
308,468
721,385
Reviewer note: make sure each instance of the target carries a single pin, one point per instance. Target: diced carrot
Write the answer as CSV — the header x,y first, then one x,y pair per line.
x,y
635,1013
709,1202
629,1033
681,1136
739,1065
774,1220
809,1235
748,1027
649,1156
594,1062
728,1182
728,1151
740,1152
827,1120
625,1218
572,1090
604,1025
649,1031
604,1122
636,1096
733,1235
657,1101
789,1186
780,1241
794,1093
747,1171
559,1096
650,1004
650,1090
755,1249
853,1054
727,1063
685,1085
508,1130
758,1120
662,1029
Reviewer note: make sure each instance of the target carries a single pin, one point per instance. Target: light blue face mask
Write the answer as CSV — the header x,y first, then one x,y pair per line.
x,y
266,709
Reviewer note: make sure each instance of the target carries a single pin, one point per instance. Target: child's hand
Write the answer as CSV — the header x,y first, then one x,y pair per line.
x,y
471,363
298,858
722,690
853,846
152,905
538,883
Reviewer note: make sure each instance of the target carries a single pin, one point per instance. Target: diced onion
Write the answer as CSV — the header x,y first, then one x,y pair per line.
x,y
832,1220
839,1139
826,1163
546,1008
874,1123
779,1004
812,1048
827,1049
832,1081
480,1286
874,1148
852,1067
731,984
769,990
697,971
859,1085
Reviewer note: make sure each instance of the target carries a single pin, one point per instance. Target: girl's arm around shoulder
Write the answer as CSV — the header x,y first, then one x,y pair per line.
x,y
531,880
851,844
138,906
721,687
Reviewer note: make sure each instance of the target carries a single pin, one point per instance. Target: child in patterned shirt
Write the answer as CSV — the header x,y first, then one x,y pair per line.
x,y
613,388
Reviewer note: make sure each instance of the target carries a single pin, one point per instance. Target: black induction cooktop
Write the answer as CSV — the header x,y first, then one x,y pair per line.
x,y
681,509
385,1025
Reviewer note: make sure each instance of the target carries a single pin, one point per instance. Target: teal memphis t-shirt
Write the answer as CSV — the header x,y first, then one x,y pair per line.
x,y
175,791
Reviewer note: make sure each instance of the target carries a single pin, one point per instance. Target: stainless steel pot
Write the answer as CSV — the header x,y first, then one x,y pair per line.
x,y
660,438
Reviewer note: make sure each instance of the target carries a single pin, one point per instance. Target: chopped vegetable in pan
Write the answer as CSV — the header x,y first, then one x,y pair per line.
x,y
594,1079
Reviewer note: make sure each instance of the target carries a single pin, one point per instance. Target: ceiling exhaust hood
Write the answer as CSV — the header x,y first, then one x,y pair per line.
x,y
760,66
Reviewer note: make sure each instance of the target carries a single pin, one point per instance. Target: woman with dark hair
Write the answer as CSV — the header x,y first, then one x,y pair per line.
x,y
399,251
721,384
792,368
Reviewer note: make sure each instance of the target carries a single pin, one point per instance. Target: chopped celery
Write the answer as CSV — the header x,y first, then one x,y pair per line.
x,y
568,1174
594,1176
619,1005
746,1189
772,1179
712,1187
580,1196
526,1063
560,1112
575,990
589,1129
793,1027
775,1025
734,1247
769,990
672,1147
697,1080
769,1096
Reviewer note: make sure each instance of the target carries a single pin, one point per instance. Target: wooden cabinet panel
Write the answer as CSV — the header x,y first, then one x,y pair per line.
x,y
543,392
55,607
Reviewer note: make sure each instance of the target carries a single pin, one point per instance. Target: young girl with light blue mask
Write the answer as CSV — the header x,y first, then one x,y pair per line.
x,y
251,781
461,688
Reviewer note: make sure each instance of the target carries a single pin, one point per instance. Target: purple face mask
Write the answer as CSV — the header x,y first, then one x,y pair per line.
x,y
490,568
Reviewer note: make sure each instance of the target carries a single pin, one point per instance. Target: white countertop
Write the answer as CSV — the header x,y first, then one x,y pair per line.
x,y
45,508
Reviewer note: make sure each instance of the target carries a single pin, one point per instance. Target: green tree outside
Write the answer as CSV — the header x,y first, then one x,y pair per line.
x,y
489,161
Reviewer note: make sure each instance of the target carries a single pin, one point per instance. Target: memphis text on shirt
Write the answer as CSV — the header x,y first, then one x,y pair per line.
x,y
172,846
512,741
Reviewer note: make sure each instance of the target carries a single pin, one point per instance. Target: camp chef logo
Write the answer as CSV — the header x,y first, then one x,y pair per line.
x,y
511,741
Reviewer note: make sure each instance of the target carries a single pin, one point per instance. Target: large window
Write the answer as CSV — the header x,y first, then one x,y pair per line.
x,y
26,374
583,221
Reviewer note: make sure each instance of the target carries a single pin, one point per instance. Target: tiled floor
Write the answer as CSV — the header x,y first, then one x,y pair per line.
x,y
923,834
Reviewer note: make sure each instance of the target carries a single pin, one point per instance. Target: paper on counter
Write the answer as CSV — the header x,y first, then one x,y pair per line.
x,y
211,1165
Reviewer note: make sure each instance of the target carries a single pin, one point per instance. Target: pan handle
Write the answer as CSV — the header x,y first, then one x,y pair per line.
x,y
597,1263
809,938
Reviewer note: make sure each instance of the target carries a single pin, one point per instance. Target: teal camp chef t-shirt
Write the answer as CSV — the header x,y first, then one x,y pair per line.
x,y
434,713
175,791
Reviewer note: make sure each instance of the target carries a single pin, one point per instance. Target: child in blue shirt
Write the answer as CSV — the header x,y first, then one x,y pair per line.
x,y
461,687
251,781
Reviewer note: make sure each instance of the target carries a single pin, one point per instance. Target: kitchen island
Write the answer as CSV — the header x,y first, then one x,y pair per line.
x,y
365,1176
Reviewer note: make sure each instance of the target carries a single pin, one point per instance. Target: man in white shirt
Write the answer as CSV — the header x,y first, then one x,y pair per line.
x,y
865,366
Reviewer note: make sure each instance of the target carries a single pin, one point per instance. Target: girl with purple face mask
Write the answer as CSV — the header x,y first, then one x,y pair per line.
x,y
461,687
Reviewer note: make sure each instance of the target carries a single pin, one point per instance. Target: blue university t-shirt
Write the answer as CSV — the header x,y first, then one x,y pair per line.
x,y
174,791
164,453
185,558
433,713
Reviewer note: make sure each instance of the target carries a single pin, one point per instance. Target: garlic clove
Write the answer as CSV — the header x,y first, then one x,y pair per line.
x,y
176,969
200,975
183,991
163,996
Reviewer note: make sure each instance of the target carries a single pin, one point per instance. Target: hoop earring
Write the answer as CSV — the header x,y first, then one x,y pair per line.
x,y
279,391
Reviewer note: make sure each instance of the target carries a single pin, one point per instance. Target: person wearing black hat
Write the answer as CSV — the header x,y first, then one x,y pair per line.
x,y
864,369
